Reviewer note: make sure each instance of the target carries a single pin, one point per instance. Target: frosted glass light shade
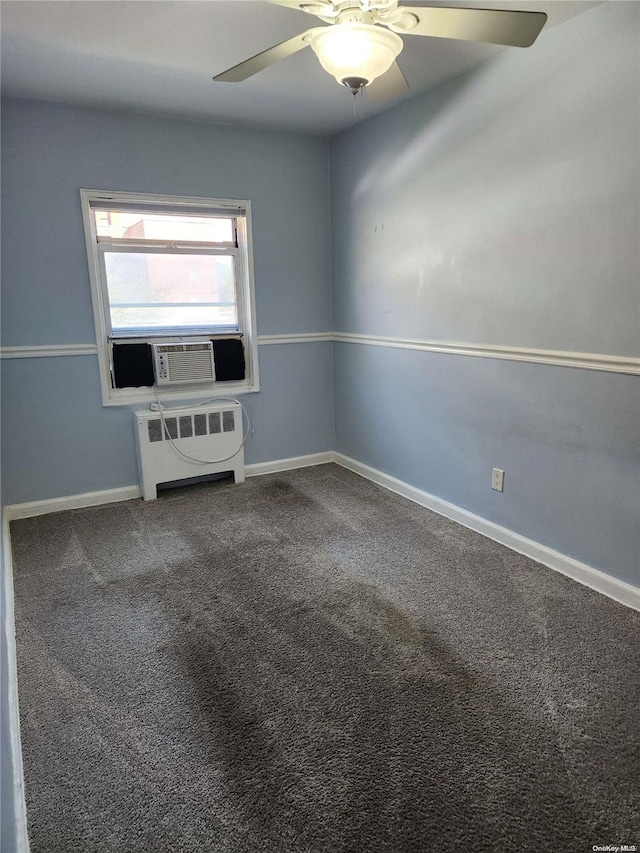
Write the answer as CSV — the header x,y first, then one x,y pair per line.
x,y
356,50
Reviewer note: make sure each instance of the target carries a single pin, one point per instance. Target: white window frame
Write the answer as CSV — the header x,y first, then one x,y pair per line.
x,y
245,300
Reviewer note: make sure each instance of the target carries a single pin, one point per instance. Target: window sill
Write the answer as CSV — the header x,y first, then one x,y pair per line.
x,y
133,396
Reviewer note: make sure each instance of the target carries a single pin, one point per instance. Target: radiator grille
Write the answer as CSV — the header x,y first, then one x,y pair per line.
x,y
191,425
208,438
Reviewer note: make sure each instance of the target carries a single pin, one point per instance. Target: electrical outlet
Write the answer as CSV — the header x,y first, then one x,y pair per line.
x,y
497,480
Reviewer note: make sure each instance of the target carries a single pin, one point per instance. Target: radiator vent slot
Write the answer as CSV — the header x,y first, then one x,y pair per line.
x,y
155,430
186,426
171,428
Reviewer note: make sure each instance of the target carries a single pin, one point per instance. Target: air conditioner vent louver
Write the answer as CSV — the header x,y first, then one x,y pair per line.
x,y
213,434
177,363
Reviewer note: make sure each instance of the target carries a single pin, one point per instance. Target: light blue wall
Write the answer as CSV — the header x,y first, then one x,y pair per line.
x,y
58,439
49,151
502,207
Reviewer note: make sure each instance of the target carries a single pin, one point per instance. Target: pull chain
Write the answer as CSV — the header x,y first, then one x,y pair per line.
x,y
355,93
355,85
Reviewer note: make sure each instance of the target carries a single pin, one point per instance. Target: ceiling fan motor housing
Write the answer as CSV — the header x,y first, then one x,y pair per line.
x,y
354,83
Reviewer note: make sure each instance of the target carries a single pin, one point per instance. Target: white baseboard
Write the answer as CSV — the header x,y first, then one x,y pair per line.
x,y
258,468
624,593
13,716
108,496
13,512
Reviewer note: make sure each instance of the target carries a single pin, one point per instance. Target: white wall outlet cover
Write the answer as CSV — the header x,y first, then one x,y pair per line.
x,y
497,480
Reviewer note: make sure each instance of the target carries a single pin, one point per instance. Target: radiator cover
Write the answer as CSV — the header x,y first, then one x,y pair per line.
x,y
210,433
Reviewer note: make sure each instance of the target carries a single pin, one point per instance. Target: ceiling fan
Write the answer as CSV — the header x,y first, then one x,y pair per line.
x,y
363,39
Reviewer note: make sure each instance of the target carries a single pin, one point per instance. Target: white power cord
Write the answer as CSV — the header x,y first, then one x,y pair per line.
x,y
159,407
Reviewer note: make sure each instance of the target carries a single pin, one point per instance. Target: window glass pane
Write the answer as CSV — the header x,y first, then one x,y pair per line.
x,y
155,291
129,321
163,226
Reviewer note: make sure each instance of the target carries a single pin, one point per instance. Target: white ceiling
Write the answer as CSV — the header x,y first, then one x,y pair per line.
x,y
159,56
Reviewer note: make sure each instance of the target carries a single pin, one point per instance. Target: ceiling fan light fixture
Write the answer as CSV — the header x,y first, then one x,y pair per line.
x,y
356,51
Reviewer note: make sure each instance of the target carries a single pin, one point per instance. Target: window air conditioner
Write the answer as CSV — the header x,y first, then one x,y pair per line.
x,y
178,363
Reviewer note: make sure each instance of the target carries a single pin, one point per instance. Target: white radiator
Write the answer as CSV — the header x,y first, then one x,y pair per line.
x,y
212,435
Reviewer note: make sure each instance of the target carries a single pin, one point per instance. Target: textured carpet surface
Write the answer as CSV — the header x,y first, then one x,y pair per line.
x,y
306,662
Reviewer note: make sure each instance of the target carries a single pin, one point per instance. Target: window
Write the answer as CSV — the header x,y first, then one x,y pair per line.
x,y
169,269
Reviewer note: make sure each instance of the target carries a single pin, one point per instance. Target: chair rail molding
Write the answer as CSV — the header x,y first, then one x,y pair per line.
x,y
56,350
559,358
48,351
303,338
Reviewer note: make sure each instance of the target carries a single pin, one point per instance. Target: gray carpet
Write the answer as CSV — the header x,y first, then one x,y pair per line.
x,y
306,662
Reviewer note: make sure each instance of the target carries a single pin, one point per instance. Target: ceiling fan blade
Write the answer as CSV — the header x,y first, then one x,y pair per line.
x,y
392,84
312,6
262,60
496,26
